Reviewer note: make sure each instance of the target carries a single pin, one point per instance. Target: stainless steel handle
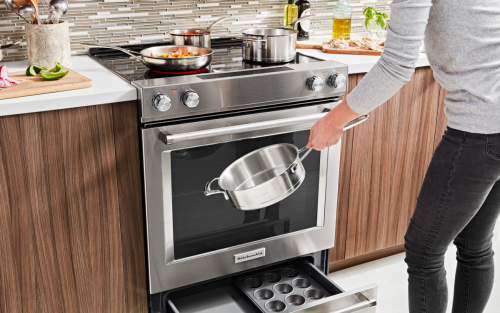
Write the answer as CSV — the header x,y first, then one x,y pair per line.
x,y
171,138
367,302
262,46
209,191
305,17
218,21
230,130
129,52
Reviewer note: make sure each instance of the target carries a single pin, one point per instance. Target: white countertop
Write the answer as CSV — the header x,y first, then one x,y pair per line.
x,y
108,88
356,63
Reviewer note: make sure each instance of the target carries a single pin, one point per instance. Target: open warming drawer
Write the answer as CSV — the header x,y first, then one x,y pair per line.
x,y
294,286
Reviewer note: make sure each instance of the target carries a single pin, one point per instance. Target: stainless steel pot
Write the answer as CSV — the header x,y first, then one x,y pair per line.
x,y
194,36
262,177
271,44
265,176
165,65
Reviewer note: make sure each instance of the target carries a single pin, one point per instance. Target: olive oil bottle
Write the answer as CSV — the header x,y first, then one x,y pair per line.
x,y
342,16
291,13
304,26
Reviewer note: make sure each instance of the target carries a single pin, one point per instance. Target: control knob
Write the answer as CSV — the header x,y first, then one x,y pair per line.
x,y
190,98
161,102
337,80
315,83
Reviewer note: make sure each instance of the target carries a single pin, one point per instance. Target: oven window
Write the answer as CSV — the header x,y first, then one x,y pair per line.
x,y
203,224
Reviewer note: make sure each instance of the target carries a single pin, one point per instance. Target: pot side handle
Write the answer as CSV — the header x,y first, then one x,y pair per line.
x,y
209,191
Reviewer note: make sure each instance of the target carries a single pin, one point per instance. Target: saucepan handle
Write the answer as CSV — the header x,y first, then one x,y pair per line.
x,y
133,54
209,191
351,124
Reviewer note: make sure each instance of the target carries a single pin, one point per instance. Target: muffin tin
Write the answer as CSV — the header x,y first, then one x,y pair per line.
x,y
284,289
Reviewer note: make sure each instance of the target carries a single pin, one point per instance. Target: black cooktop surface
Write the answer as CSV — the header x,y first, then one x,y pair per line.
x,y
227,57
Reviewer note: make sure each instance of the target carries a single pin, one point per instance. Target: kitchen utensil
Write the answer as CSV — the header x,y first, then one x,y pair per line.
x,y
36,85
271,44
28,9
159,64
7,45
10,5
325,47
34,3
58,8
195,36
265,176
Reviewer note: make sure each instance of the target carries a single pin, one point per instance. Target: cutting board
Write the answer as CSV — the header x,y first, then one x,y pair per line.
x,y
36,85
350,50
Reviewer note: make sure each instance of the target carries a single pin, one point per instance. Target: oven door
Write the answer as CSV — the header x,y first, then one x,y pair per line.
x,y
192,237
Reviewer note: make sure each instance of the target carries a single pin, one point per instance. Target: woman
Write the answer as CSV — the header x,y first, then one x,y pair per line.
x,y
459,200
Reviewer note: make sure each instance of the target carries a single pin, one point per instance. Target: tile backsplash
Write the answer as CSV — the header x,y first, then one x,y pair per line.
x,y
120,22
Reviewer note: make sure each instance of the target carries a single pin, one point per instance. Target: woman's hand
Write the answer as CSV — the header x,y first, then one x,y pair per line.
x,y
328,130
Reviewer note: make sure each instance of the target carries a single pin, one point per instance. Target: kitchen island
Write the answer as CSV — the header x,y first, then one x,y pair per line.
x,y
70,189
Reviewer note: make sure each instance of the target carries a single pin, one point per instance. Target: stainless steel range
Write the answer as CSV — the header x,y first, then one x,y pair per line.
x,y
201,249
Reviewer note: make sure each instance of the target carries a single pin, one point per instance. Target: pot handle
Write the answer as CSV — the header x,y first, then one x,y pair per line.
x,y
209,191
351,124
218,21
129,52
305,17
263,45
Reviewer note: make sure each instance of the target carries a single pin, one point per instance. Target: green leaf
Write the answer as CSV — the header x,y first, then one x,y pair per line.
x,y
385,15
367,22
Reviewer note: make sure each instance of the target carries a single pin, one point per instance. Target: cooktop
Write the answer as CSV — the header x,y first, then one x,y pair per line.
x,y
227,57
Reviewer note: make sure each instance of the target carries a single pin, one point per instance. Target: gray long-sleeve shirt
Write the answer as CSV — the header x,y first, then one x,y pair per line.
x,y
462,42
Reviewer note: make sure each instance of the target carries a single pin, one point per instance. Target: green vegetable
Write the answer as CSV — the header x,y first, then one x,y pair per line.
x,y
379,17
48,75
32,70
57,69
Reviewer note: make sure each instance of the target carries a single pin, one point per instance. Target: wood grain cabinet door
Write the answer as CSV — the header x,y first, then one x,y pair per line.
x,y
383,164
69,206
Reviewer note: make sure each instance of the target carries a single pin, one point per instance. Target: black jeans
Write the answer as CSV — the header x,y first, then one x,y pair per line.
x,y
459,201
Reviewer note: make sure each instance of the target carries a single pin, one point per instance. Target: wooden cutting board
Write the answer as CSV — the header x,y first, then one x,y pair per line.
x,y
350,50
36,85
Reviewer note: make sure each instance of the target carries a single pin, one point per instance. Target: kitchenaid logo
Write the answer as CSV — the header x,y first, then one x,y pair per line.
x,y
247,256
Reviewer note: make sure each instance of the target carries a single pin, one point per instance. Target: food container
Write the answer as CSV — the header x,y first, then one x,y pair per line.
x,y
271,44
48,43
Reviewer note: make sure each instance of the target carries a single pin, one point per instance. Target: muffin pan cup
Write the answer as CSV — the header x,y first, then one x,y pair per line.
x,y
285,289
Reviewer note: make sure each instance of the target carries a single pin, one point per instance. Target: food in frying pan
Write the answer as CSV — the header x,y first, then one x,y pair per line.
x,y
177,54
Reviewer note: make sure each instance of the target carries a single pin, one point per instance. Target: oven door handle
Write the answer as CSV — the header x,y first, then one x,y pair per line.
x,y
169,139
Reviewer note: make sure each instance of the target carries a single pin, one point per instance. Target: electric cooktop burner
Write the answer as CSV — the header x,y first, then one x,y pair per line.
x,y
226,58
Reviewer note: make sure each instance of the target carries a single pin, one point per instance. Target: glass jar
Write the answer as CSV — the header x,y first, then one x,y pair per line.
x,y
342,16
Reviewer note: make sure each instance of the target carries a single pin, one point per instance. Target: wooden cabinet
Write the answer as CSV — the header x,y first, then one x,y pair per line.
x,y
71,230
383,164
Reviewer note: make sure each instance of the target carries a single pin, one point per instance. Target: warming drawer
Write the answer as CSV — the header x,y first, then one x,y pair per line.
x,y
266,290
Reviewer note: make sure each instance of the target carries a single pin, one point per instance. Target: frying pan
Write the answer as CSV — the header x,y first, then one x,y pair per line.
x,y
158,64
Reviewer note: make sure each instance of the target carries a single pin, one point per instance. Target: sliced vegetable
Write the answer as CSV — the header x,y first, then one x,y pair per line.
x,y
58,69
48,75
3,71
32,70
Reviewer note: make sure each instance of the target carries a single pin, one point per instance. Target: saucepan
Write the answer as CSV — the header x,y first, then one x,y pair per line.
x,y
271,44
265,176
164,65
194,36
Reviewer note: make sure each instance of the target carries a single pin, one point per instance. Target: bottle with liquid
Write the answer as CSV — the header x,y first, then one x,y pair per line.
x,y
303,27
291,13
342,16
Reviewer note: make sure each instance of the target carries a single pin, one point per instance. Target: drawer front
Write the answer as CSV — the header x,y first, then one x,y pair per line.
x,y
360,300
229,294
